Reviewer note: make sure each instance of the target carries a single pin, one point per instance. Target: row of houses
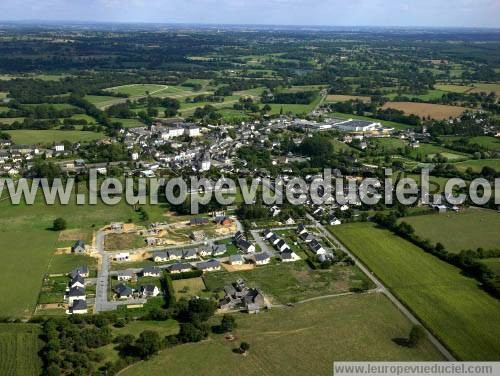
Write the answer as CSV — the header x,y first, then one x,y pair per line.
x,y
242,243
216,250
75,292
314,245
285,252
123,291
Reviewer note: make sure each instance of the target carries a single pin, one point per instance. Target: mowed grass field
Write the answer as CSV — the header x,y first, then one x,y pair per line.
x,y
470,229
452,306
23,136
435,111
454,88
300,340
19,346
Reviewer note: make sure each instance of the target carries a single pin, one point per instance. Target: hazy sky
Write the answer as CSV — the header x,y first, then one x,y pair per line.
x,y
482,13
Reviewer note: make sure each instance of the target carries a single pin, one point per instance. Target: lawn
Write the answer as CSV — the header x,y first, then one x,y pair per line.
x,y
431,150
478,164
19,346
301,340
23,136
62,264
185,288
129,123
471,229
452,306
291,282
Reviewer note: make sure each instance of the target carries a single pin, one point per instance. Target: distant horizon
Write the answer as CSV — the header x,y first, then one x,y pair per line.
x,y
34,22
306,13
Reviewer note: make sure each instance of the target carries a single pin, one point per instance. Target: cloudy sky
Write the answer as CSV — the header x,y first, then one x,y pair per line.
x,y
477,13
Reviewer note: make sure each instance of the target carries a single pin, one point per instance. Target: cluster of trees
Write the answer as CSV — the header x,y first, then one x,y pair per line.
x,y
247,104
299,97
205,98
463,260
207,114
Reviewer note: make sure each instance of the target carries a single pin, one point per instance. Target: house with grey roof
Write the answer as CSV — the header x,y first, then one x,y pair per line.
x,y
236,260
125,275
79,307
208,266
81,270
76,293
261,258
161,256
77,281
151,271
123,291
189,254
218,249
78,247
149,291
180,267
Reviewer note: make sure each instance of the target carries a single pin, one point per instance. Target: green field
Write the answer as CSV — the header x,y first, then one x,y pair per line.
x,y
135,90
470,229
301,340
478,164
9,121
63,264
129,123
24,136
19,346
291,282
452,306
493,264
431,150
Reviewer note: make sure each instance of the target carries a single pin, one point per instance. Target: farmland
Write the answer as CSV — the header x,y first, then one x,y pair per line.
x,y
478,164
449,304
19,346
367,323
435,111
21,136
344,98
471,229
454,88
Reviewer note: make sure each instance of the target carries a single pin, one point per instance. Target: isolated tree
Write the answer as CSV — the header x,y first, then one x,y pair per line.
x,y
59,224
244,347
417,333
148,344
228,323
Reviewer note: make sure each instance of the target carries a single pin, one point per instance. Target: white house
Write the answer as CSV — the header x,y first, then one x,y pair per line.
x,y
148,291
76,293
122,256
59,147
125,275
79,307
261,258
236,260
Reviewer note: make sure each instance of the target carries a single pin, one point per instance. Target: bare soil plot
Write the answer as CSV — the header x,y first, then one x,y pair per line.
x,y
435,111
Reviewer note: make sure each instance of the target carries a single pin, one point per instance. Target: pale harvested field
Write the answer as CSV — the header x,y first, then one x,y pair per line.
x,y
435,111
345,98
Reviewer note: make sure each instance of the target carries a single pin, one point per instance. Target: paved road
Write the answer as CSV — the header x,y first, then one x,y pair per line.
x,y
101,293
381,288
